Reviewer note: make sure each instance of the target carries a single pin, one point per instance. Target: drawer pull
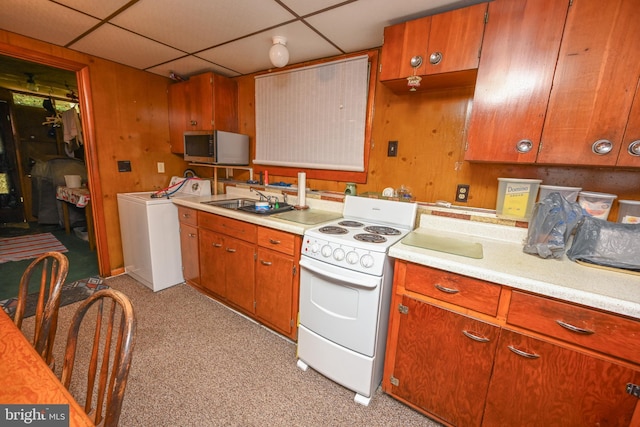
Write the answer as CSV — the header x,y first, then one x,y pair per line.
x,y
474,336
274,242
445,289
231,250
575,329
523,353
192,235
186,215
217,245
263,262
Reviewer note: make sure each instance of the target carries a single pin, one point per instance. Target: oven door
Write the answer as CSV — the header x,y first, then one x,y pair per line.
x,y
340,305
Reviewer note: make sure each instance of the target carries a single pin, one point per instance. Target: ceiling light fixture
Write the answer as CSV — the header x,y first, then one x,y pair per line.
x,y
31,83
279,54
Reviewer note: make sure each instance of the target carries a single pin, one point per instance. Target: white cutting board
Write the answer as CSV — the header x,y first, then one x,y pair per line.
x,y
449,245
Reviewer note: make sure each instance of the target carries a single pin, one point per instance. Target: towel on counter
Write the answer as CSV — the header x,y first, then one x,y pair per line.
x,y
72,129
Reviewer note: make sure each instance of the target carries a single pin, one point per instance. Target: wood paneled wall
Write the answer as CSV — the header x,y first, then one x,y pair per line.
x,y
430,130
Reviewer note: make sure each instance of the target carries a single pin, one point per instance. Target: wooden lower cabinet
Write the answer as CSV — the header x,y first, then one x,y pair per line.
x,y
534,361
549,385
189,248
252,269
442,362
275,274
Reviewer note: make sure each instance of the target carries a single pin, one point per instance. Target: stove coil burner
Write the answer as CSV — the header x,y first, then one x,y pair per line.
x,y
370,238
349,223
379,229
332,229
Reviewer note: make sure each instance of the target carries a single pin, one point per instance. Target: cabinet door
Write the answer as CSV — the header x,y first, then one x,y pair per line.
x,y
457,35
630,150
189,250
223,109
443,362
212,262
401,43
519,53
594,83
556,386
200,102
239,270
275,290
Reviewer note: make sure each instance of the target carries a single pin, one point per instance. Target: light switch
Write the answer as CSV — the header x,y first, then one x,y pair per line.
x,y
160,167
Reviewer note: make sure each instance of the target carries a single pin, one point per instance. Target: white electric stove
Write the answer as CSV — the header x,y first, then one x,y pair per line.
x,y
345,292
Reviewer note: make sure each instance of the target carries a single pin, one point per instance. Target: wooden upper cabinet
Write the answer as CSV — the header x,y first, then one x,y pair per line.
x,y
519,53
594,84
449,42
630,151
204,102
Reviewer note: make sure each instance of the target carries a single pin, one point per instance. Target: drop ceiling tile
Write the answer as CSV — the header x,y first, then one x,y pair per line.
x,y
190,66
116,44
44,20
360,25
99,9
251,54
305,7
196,25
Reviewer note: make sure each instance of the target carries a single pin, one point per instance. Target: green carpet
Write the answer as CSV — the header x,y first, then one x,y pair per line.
x,y
83,262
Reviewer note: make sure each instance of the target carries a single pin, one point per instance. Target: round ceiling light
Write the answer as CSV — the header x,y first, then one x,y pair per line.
x,y
279,54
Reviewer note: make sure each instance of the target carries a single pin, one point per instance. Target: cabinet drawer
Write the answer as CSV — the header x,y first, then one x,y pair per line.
x,y
603,332
187,216
229,226
464,291
277,240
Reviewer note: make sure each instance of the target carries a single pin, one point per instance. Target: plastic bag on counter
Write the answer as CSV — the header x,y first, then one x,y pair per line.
x,y
554,219
609,244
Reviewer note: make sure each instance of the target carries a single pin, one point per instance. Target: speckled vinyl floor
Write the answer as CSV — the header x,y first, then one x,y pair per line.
x,y
196,363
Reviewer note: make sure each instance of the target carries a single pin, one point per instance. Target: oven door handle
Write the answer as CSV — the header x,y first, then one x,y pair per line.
x,y
361,281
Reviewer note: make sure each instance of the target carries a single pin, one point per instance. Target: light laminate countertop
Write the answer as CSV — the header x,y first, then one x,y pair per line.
x,y
319,207
505,263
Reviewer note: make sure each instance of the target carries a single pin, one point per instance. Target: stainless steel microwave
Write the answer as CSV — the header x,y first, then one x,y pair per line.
x,y
216,147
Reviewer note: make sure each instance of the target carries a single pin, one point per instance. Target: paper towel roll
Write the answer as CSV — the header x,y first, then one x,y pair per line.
x,y
302,189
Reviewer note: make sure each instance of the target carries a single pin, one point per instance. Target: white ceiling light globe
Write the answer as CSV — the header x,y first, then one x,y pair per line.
x,y
279,54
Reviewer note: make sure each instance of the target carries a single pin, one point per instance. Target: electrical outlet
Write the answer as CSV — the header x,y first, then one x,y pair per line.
x,y
462,193
160,167
392,149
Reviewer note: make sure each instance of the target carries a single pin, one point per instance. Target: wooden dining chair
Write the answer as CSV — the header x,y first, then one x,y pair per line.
x,y
48,272
109,347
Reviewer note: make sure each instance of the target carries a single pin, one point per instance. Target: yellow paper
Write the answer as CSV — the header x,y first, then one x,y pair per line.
x,y
516,199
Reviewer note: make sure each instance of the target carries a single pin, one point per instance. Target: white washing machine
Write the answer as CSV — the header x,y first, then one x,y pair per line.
x,y
150,232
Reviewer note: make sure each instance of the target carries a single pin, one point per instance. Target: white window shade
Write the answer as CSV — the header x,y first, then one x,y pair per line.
x,y
313,117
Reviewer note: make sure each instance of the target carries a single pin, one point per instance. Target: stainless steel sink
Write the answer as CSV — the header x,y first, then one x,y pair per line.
x,y
249,205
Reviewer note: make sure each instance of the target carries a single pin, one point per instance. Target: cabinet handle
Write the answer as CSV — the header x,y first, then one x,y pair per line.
x,y
231,250
193,122
192,235
523,353
524,146
474,336
263,262
186,216
274,242
634,148
435,58
217,245
445,289
415,61
602,147
575,329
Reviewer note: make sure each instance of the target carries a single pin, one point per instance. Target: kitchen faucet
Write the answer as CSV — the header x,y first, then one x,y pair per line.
x,y
262,196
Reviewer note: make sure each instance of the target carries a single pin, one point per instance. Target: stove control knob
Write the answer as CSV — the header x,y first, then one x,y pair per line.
x,y
326,251
315,248
352,257
367,261
338,254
